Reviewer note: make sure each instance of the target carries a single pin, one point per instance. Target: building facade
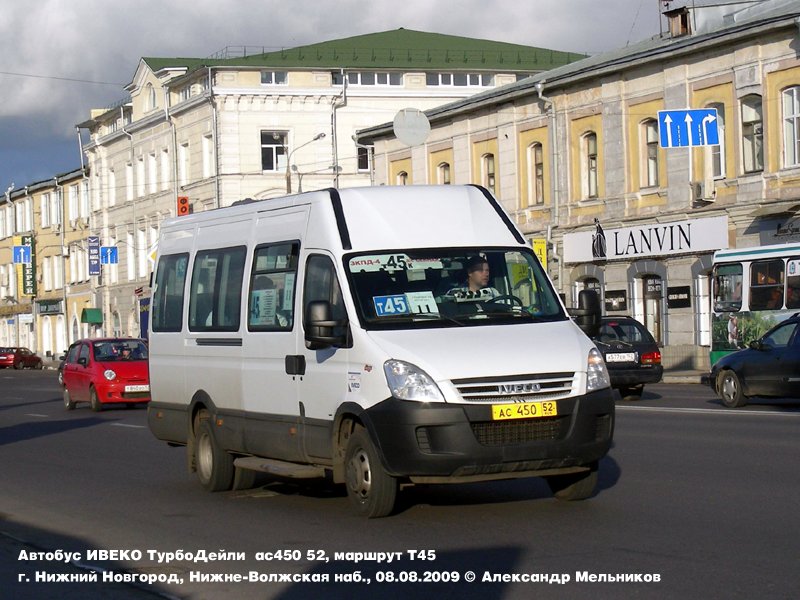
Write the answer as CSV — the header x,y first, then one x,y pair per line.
x,y
576,156
198,134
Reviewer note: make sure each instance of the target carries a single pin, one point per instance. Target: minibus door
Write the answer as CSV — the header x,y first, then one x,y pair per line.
x,y
324,385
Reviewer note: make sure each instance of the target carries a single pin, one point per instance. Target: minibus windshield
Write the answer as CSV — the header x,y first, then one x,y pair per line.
x,y
449,287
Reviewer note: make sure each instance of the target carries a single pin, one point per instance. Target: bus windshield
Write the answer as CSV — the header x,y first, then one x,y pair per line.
x,y
446,287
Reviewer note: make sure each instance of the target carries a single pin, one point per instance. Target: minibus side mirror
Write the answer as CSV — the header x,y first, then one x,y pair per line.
x,y
587,315
319,325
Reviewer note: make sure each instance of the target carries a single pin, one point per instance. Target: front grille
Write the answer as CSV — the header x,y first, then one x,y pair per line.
x,y
509,433
515,388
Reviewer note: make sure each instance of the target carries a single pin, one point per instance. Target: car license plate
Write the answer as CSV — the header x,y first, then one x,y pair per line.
x,y
137,388
524,410
621,357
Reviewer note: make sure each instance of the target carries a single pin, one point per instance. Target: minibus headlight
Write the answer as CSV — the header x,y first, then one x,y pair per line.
x,y
109,374
408,382
596,372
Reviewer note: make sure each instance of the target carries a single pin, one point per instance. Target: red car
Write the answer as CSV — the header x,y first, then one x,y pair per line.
x,y
19,358
106,371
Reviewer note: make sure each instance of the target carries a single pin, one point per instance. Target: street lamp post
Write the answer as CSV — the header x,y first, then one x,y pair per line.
x,y
319,136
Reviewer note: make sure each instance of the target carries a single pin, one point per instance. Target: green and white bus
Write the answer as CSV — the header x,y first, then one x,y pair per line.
x,y
753,289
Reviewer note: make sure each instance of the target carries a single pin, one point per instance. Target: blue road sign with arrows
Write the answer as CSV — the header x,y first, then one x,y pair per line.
x,y
109,255
22,255
685,128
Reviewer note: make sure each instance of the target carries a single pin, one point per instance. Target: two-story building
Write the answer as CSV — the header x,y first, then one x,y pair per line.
x,y
576,156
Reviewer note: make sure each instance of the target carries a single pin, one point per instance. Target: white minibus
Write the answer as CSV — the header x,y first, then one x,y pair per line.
x,y
374,336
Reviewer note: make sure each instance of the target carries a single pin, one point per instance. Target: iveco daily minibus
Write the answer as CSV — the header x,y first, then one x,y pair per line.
x,y
374,336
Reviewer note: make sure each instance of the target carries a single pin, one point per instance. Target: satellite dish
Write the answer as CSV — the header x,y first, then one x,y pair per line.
x,y
411,126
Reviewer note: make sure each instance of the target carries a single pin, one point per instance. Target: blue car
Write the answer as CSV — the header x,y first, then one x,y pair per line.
x,y
769,367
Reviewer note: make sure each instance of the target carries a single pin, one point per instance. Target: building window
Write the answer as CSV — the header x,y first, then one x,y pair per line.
x,y
718,152
45,209
536,174
590,165
752,134
208,156
58,207
166,169
152,174
183,164
129,181
140,184
370,78
791,126
363,157
649,137
150,98
402,178
111,193
488,172
185,93
273,150
459,79
273,78
443,173
74,211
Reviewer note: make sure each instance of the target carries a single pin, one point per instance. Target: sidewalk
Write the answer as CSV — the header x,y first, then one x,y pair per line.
x,y
676,376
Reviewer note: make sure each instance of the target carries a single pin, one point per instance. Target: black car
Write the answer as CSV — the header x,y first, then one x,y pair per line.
x,y
769,367
631,354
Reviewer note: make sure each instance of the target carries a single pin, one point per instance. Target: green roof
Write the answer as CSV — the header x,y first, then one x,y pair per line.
x,y
401,49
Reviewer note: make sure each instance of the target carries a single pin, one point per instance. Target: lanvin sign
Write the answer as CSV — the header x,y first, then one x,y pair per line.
x,y
654,239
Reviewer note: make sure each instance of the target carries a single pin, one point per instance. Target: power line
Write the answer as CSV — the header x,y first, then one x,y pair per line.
x,y
51,77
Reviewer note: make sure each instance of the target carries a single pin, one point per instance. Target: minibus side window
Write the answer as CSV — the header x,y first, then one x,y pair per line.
x,y
766,285
216,290
272,287
169,293
321,283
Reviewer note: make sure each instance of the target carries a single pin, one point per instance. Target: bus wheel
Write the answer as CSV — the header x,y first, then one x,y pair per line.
x,y
730,389
371,490
574,486
214,465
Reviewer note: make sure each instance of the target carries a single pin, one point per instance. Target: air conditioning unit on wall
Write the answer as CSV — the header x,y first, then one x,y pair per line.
x,y
703,191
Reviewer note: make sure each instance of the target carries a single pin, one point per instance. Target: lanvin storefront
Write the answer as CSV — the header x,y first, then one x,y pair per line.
x,y
657,273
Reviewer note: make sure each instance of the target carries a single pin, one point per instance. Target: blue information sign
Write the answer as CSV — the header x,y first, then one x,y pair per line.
x,y
93,242
684,128
109,255
22,255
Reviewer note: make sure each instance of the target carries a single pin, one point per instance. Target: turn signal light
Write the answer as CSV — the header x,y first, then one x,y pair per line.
x,y
651,358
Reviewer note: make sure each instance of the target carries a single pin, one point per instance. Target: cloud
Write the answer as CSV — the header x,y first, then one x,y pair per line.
x,y
72,56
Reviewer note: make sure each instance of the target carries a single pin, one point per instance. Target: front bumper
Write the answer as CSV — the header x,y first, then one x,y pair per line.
x,y
114,392
462,440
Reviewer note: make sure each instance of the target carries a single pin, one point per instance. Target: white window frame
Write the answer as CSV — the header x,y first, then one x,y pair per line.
x,y
752,115
790,115
274,78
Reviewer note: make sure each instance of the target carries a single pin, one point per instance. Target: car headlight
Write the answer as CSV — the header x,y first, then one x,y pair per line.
x,y
109,374
596,372
408,382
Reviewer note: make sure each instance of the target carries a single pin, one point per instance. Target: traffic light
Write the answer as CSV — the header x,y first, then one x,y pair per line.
x,y
183,206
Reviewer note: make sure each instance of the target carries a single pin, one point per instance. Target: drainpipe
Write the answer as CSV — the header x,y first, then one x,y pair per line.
x,y
107,295
62,216
214,133
551,111
336,105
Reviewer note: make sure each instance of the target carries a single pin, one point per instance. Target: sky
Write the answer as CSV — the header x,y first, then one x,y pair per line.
x,y
61,58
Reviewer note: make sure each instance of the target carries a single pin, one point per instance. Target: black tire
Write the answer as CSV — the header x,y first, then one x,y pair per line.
x,y
729,389
17,365
39,366
94,401
574,486
632,393
370,489
214,465
68,403
243,479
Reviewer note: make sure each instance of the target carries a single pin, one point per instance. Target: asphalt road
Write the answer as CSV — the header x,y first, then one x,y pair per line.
x,y
694,501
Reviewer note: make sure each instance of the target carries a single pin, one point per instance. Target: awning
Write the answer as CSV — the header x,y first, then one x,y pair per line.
x,y
93,316
775,209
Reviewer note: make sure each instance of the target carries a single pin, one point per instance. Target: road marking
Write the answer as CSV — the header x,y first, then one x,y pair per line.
x,y
711,411
36,415
126,425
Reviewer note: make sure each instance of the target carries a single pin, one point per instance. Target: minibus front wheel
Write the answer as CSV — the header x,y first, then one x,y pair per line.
x,y
371,490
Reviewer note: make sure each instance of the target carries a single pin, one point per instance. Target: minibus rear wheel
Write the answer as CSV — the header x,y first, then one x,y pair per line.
x,y
214,466
371,490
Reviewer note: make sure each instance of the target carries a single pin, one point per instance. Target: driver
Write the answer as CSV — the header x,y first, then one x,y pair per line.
x,y
477,283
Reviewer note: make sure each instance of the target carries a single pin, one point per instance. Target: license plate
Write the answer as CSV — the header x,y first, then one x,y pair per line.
x,y
524,410
621,357
137,388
